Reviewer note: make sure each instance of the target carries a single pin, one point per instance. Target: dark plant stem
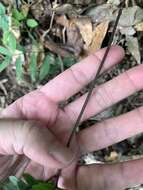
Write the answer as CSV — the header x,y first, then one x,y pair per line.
x,y
17,4
18,167
92,85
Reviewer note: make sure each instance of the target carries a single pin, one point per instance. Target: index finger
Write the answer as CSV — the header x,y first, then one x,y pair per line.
x,y
75,78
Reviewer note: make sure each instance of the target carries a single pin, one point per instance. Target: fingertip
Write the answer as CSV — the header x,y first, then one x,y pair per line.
x,y
113,49
118,50
116,55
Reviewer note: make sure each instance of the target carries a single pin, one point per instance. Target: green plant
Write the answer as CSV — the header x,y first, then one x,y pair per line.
x,y
27,183
11,50
22,15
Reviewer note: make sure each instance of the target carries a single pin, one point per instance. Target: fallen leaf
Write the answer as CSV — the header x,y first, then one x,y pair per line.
x,y
63,21
131,16
133,47
139,26
128,16
114,2
102,13
74,39
112,157
98,37
41,9
139,15
130,31
63,9
81,2
57,49
85,26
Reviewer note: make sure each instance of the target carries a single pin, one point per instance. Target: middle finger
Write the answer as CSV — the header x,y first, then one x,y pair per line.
x,y
108,94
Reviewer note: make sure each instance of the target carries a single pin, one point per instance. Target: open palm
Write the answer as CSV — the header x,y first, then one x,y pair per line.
x,y
43,105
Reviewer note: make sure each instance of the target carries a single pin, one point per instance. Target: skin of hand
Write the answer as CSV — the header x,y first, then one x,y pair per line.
x,y
43,105
32,139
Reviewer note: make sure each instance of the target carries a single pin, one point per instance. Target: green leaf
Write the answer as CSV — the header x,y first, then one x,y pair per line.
x,y
29,183
33,67
14,180
32,23
44,70
69,61
9,186
18,15
34,42
23,186
11,42
5,37
4,51
19,68
2,9
30,180
15,22
5,63
21,48
17,183
43,186
4,22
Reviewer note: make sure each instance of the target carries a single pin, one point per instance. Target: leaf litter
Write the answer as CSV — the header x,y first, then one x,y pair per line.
x,y
54,35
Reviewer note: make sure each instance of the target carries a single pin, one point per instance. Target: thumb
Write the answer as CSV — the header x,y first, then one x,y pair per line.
x,y
33,140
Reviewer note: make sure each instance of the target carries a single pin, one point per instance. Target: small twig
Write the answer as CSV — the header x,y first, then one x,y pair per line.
x,y
52,20
64,35
96,77
127,3
61,63
92,85
50,27
17,4
133,3
19,165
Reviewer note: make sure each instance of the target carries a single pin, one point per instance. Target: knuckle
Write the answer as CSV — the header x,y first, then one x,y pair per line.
x,y
79,76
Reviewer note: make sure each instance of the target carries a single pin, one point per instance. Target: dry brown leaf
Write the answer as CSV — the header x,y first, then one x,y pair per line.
x,y
98,37
80,30
86,29
63,9
55,48
133,47
139,26
63,21
112,157
74,39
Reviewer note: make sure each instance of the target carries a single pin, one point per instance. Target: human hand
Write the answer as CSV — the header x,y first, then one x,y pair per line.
x,y
42,105
33,141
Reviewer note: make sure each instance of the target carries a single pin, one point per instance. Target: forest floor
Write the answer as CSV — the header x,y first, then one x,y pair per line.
x,y
60,33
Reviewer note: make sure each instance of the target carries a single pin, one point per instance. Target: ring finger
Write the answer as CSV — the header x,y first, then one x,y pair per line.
x,y
110,177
